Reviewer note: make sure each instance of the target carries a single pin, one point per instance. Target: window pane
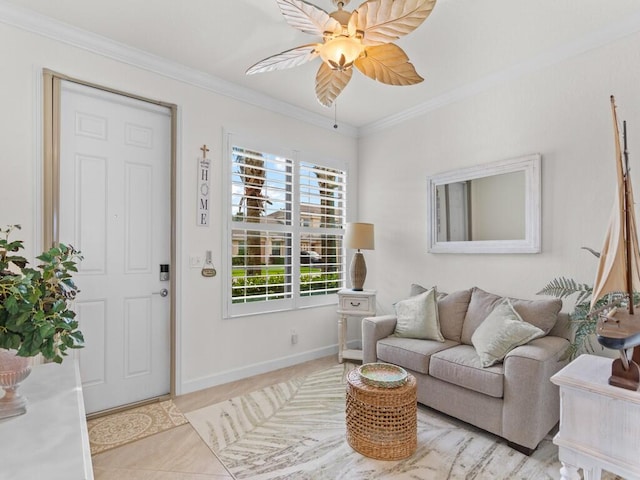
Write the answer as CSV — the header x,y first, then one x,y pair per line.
x,y
321,261
258,274
261,187
322,197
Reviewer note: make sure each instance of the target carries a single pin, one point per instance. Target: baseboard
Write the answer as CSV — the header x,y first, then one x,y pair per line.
x,y
254,369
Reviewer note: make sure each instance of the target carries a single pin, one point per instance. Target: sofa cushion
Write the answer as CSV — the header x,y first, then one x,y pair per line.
x,y
418,289
410,353
460,365
451,313
541,313
452,309
481,305
502,331
417,317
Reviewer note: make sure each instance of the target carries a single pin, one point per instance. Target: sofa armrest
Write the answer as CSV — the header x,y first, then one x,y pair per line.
x,y
374,329
531,401
542,349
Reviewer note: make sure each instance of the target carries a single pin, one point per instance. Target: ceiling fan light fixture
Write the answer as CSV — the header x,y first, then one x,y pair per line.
x,y
342,16
362,38
340,52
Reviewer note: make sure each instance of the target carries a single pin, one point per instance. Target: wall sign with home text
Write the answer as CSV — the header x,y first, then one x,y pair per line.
x,y
204,189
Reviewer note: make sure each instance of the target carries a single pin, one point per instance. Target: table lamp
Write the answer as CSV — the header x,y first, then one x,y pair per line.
x,y
358,236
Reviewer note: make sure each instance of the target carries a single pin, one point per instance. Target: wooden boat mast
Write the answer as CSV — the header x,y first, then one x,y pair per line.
x,y
627,219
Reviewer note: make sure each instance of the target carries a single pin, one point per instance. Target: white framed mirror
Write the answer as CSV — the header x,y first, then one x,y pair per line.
x,y
491,208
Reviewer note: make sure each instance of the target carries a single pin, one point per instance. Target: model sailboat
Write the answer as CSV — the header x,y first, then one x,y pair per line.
x,y
619,271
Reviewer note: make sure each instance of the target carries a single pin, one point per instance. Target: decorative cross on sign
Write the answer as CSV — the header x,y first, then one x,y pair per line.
x,y
202,209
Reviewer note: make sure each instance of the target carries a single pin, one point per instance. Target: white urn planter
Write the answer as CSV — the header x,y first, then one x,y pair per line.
x,y
13,370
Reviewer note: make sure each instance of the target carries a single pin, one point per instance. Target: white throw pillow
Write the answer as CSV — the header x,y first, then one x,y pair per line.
x,y
502,331
417,317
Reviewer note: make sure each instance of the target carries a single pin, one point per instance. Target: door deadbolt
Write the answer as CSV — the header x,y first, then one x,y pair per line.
x,y
164,272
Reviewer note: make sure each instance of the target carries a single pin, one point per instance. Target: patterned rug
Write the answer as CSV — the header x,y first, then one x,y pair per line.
x,y
296,430
124,427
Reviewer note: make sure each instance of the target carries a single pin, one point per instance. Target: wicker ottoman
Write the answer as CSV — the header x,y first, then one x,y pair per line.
x,y
381,422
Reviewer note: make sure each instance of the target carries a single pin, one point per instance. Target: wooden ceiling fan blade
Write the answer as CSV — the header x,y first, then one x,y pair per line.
x,y
307,17
383,21
287,59
330,83
388,64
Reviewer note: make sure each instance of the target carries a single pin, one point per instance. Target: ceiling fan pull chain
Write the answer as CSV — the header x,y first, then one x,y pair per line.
x,y
335,115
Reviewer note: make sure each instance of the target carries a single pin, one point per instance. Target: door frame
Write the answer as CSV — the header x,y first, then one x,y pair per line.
x,y
51,191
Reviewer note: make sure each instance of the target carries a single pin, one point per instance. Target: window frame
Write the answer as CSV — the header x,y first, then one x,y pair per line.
x,y
296,301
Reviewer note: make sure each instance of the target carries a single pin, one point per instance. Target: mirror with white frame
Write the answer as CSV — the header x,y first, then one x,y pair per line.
x,y
492,208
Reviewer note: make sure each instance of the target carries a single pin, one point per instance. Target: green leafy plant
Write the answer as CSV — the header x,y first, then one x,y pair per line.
x,y
34,302
582,318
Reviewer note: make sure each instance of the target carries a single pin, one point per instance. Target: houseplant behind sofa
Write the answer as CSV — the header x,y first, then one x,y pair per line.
x,y
513,398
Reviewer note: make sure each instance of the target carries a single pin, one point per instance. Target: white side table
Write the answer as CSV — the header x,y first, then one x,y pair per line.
x,y
599,423
357,304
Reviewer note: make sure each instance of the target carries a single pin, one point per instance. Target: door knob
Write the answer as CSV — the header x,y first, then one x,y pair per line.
x,y
163,293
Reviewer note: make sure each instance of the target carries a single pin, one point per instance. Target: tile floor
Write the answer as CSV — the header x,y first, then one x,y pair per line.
x,y
179,453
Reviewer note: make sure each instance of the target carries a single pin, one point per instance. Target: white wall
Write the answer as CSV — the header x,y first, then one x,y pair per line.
x,y
211,349
562,112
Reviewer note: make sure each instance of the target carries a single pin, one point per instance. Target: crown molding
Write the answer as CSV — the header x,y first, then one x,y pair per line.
x,y
589,42
47,27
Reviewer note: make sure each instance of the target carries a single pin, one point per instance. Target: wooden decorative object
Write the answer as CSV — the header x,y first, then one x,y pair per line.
x,y
618,271
622,377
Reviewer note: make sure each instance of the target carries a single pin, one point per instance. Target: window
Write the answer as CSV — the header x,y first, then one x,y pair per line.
x,y
286,221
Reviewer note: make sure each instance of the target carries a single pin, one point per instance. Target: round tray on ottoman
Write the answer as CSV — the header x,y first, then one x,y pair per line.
x,y
382,375
381,422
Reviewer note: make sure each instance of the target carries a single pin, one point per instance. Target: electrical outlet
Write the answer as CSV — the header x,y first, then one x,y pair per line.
x,y
196,261
294,337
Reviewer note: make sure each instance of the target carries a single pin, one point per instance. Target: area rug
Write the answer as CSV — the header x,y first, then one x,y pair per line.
x,y
296,430
124,427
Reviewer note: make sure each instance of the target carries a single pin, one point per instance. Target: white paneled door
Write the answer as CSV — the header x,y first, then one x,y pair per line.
x,y
115,206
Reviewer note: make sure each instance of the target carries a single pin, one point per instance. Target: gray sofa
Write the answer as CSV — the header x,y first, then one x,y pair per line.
x,y
513,399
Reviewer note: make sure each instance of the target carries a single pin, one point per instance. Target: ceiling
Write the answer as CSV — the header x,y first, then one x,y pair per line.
x,y
461,44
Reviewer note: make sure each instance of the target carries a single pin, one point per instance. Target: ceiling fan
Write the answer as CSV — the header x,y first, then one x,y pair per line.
x,y
361,38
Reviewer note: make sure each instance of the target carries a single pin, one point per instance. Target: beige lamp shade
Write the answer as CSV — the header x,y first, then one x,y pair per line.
x,y
359,236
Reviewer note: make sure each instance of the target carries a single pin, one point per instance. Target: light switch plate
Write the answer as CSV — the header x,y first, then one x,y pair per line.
x,y
196,261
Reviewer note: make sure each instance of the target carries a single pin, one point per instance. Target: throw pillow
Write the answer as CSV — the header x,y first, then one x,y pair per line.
x,y
480,306
541,313
451,312
417,317
452,308
502,331
418,289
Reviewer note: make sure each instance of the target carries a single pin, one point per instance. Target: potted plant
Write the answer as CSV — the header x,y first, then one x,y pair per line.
x,y
35,314
584,319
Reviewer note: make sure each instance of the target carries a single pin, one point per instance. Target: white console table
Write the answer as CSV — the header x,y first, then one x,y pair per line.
x,y
599,423
50,441
353,303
